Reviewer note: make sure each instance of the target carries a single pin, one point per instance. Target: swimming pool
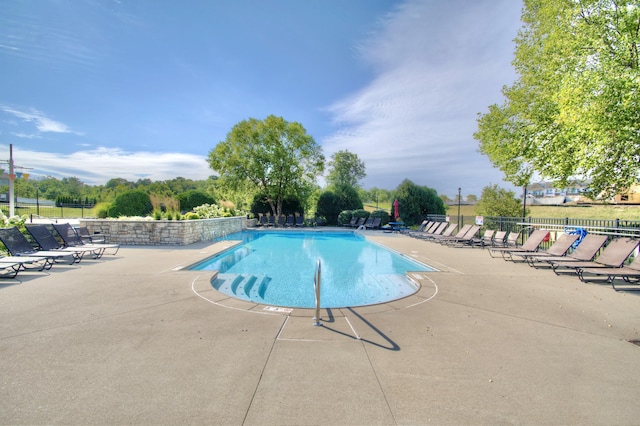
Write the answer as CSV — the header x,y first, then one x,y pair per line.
x,y
277,268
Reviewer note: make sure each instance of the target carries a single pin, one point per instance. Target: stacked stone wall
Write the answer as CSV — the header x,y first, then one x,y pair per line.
x,y
165,232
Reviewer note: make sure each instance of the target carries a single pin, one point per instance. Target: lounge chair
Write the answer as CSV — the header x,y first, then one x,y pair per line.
x,y
439,229
18,245
281,221
486,240
262,221
422,229
559,248
290,221
360,222
467,239
375,224
47,241
12,265
87,237
299,221
629,273
510,241
425,225
531,245
460,234
72,239
613,256
352,222
367,223
10,269
589,247
499,239
271,221
448,232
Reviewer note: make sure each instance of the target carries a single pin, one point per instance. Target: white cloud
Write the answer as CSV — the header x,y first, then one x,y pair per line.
x,y
39,120
438,64
96,167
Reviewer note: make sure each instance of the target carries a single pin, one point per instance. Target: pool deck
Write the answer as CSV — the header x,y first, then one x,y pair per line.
x,y
135,339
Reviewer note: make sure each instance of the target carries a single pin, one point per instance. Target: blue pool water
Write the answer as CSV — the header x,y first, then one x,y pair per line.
x,y
277,268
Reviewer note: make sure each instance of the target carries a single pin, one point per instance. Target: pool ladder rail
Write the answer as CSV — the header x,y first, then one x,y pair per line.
x,y
316,287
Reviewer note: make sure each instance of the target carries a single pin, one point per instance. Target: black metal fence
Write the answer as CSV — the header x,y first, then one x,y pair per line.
x,y
48,210
612,227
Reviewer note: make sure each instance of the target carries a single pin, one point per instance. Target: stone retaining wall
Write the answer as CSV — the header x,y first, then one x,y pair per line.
x,y
165,232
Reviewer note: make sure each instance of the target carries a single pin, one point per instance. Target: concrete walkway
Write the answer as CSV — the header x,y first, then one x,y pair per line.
x,y
134,339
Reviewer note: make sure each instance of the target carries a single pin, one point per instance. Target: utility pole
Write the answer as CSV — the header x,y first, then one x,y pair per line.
x,y
459,189
12,176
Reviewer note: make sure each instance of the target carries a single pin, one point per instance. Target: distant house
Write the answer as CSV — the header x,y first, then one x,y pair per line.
x,y
550,190
630,196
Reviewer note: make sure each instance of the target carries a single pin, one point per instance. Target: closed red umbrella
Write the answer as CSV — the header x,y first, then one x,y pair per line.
x,y
396,213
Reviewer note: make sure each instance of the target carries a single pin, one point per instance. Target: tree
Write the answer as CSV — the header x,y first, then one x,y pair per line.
x,y
276,157
194,198
345,169
415,202
134,202
332,203
496,201
329,207
573,111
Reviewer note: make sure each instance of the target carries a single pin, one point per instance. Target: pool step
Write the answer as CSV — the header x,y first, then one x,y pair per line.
x,y
394,283
243,286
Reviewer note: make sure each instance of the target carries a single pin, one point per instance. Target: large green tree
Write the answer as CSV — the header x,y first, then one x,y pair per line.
x,y
496,201
415,202
345,168
278,158
574,110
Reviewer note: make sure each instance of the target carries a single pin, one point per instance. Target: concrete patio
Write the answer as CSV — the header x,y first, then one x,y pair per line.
x,y
135,339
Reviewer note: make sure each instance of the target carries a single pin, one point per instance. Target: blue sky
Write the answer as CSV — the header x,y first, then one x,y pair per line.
x,y
99,89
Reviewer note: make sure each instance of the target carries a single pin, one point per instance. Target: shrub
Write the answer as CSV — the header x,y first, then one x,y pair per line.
x,y
194,198
102,210
290,205
328,207
191,216
382,214
7,222
417,201
348,198
209,211
345,217
131,203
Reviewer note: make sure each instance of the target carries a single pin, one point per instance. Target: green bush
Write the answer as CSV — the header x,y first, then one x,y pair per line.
x,y
191,216
328,207
290,205
194,198
345,217
131,203
382,214
102,210
348,198
415,202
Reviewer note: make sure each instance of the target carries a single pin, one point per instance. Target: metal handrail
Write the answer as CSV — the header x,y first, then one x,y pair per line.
x,y
316,287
